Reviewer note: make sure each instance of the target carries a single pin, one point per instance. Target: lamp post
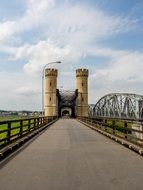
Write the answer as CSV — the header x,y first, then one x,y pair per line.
x,y
43,76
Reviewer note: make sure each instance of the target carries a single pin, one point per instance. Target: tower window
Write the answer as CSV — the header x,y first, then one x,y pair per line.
x,y
50,98
82,84
82,99
50,83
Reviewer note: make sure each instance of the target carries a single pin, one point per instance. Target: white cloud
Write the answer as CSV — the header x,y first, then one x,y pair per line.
x,y
124,74
33,17
68,23
27,91
44,52
6,29
20,91
69,33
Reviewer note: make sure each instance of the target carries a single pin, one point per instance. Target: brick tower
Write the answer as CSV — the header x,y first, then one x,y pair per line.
x,y
50,86
82,87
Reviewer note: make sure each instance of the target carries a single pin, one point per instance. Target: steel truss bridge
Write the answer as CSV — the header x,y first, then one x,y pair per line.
x,y
118,105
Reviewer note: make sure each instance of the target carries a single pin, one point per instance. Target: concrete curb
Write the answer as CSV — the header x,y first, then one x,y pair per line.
x,y
121,141
6,151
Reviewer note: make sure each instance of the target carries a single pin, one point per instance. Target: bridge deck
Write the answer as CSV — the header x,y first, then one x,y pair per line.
x,y
70,156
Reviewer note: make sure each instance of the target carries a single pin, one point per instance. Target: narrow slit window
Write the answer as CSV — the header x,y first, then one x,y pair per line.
x,y
50,98
82,84
50,84
82,99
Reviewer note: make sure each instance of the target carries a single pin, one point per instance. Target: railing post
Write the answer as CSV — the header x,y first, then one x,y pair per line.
x,y
34,123
125,129
101,125
91,121
105,124
113,129
43,121
21,128
38,122
9,131
29,124
46,120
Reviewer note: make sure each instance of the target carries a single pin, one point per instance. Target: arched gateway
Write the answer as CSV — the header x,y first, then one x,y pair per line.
x,y
71,103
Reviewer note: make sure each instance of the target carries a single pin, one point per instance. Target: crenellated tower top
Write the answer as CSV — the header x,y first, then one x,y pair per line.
x,y
82,73
51,72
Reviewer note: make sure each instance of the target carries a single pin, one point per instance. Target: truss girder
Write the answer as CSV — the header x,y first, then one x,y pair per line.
x,y
66,98
118,105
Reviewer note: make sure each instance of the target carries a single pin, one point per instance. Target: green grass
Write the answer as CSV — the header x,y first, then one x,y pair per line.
x,y
13,124
6,118
119,125
119,128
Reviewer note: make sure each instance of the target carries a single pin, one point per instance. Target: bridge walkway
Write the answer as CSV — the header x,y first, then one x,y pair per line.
x,y
70,156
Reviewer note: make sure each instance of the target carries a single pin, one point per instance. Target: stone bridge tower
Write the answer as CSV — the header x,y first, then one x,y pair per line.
x,y
50,86
82,87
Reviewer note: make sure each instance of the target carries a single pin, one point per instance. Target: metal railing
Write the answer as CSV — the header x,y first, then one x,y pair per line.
x,y
131,131
13,130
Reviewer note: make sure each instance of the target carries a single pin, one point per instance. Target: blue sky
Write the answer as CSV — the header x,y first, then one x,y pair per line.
x,y
104,36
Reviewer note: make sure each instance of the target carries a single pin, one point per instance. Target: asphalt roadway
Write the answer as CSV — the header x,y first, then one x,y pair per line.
x,y
70,156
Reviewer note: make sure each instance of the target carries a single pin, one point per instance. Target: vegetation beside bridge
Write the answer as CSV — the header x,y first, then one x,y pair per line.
x,y
14,129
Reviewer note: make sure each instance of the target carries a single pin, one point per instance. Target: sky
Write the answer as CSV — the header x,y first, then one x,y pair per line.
x,y
104,36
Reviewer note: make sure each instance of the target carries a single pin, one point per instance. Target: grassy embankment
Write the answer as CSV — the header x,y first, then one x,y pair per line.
x,y
119,127
14,124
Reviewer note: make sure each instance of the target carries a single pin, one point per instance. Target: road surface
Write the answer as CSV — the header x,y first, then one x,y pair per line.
x,y
70,156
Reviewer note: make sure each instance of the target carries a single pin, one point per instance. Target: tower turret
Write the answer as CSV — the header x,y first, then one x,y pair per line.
x,y
50,86
82,87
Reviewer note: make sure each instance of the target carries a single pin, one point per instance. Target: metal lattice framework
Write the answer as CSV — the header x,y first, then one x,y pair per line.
x,y
118,105
66,97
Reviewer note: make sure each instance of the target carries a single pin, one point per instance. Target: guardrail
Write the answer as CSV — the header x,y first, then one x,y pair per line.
x,y
12,130
131,131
